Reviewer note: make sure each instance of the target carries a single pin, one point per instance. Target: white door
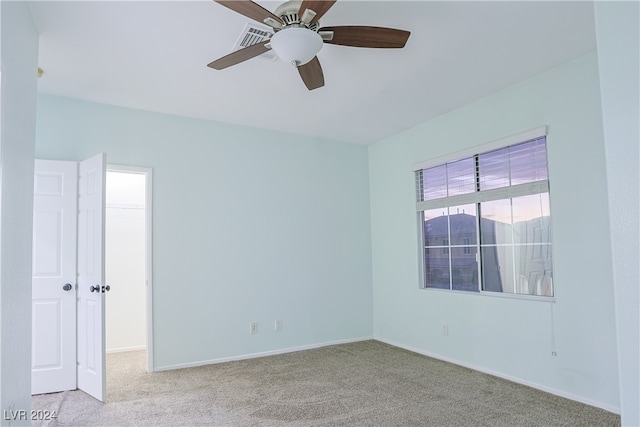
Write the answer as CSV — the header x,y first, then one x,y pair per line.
x,y
53,350
91,286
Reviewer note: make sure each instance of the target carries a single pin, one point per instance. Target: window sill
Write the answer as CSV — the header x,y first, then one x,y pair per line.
x,y
535,298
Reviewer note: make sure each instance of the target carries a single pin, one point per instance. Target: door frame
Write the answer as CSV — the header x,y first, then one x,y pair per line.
x,y
148,173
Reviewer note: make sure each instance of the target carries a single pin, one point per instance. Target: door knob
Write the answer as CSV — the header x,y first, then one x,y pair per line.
x,y
67,287
106,288
95,288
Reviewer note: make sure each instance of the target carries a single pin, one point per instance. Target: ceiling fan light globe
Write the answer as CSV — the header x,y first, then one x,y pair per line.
x,y
296,45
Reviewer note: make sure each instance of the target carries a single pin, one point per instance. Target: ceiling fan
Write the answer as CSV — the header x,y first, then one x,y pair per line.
x,y
298,36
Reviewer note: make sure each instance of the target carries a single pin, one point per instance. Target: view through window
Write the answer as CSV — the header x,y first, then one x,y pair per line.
x,y
485,222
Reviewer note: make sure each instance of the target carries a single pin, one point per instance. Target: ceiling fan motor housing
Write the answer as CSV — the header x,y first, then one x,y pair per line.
x,y
291,16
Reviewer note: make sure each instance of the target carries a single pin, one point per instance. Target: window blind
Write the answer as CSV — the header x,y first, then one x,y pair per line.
x,y
507,172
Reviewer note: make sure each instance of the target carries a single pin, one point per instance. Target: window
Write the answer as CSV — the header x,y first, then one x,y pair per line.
x,y
488,214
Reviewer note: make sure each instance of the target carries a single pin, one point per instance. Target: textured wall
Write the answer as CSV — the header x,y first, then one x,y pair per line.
x,y
18,106
618,35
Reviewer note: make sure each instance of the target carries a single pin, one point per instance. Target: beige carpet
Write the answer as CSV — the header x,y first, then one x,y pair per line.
x,y
361,384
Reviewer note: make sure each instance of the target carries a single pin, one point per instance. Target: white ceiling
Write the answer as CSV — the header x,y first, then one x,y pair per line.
x,y
152,55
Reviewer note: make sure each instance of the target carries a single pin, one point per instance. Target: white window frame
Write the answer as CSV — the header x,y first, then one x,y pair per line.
x,y
499,193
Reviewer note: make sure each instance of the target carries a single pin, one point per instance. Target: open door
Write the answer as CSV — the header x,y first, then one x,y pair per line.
x,y
53,304
68,316
91,286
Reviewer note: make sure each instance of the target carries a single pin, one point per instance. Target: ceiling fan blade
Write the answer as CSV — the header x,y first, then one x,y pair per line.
x,y
239,56
320,7
311,74
249,9
363,36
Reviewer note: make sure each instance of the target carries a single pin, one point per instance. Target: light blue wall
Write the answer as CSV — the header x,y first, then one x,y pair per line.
x,y
248,226
618,35
509,337
19,59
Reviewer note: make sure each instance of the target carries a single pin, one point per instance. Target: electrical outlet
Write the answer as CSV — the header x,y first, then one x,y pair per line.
x,y
445,330
253,327
277,325
553,353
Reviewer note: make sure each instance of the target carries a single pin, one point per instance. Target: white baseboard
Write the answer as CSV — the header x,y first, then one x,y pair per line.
x,y
123,349
261,354
606,407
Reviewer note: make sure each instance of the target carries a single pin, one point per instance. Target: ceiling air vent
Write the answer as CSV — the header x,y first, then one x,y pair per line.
x,y
252,34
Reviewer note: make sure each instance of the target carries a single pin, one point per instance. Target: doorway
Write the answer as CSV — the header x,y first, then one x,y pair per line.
x,y
128,321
